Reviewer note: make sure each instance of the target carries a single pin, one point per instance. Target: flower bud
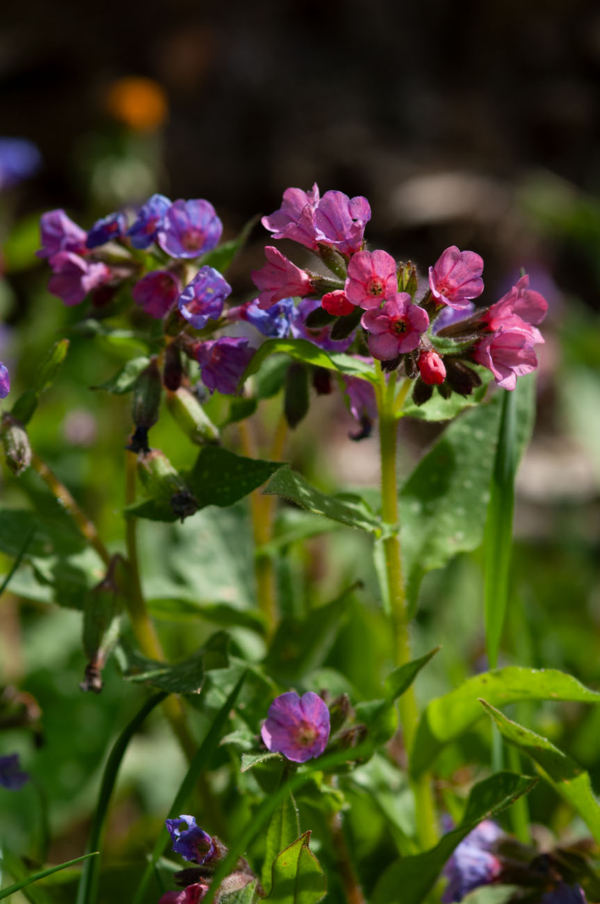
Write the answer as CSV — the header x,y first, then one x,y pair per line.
x,y
146,404
407,278
296,399
189,414
319,318
163,482
102,624
422,392
173,370
337,303
339,711
321,380
15,443
333,259
431,368
461,378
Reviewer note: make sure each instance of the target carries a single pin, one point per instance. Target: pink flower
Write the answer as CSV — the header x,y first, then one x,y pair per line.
x,y
336,303
278,279
371,279
190,895
520,308
431,368
156,292
73,277
297,727
396,328
295,219
508,353
456,277
341,221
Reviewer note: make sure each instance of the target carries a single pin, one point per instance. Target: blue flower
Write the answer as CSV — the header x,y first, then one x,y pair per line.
x,y
11,776
4,381
19,159
564,894
275,322
203,298
189,229
472,864
105,230
193,843
149,220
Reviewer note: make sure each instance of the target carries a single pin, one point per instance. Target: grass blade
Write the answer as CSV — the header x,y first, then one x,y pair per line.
x,y
11,889
86,892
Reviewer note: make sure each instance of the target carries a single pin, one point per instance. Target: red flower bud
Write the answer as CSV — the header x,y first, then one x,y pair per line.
x,y
337,303
432,368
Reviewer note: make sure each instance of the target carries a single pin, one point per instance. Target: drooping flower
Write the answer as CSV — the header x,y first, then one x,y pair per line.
x,y
4,381
189,228
508,353
73,277
222,363
321,336
341,221
297,727
472,864
193,843
11,775
522,308
279,278
275,322
59,233
19,159
396,328
156,292
295,219
431,367
564,894
336,303
372,279
149,220
363,404
456,277
105,230
202,300
190,895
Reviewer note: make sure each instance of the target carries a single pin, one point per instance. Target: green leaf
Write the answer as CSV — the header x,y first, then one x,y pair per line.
x,y
417,875
20,245
351,511
51,365
11,889
125,378
18,560
249,760
443,504
221,478
53,536
297,877
246,895
283,829
446,718
181,605
569,779
440,409
401,678
88,883
303,350
186,677
222,257
25,406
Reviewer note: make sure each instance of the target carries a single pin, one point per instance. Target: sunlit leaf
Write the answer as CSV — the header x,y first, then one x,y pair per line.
x,y
297,877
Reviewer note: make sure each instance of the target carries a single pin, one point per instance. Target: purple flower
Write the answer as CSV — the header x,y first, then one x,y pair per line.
x,y
190,895
149,220
275,322
363,404
341,221
450,316
222,363
279,278
189,228
472,864
4,381
59,233
203,298
396,328
11,776
564,894
193,843
19,159
156,292
73,277
295,219
321,335
297,727
372,279
456,277
105,230
509,354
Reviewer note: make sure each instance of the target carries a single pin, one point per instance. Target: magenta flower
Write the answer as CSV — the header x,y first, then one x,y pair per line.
x,y
189,228
148,221
59,233
372,279
431,368
11,776
336,303
105,230
193,843
521,308
203,298
156,292
297,727
279,278
456,277
508,353
222,363
4,381
472,864
396,328
341,221
295,219
190,895
73,277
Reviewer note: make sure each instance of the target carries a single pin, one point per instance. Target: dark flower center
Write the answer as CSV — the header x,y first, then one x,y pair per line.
x,y
192,239
307,734
375,286
399,326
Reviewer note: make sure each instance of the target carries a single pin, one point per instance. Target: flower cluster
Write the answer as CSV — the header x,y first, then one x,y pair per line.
x,y
11,775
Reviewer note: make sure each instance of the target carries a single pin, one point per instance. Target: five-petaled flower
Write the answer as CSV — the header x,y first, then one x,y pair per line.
x,y
11,775
222,363
341,221
143,230
456,277
279,278
189,228
473,862
192,842
297,727
371,279
156,292
295,219
396,328
203,299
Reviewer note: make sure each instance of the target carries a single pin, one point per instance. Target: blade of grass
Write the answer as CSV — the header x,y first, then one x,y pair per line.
x,y
86,893
200,760
11,889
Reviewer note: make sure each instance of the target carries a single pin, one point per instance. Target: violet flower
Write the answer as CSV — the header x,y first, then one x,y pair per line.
x,y
189,228
4,381
59,233
11,776
564,894
456,277
297,727
142,233
508,353
19,159
472,864
275,322
193,843
372,279
279,278
222,363
396,328
156,292
105,230
203,298
341,221
73,277
363,404
295,219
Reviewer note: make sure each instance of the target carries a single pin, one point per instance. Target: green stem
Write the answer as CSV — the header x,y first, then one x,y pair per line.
x,y
388,427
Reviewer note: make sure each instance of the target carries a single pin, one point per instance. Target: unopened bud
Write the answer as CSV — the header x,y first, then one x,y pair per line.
x,y
333,259
319,318
322,382
407,278
431,368
336,303
461,378
339,711
296,399
189,414
161,481
422,392
146,396
102,624
173,370
346,324
15,443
